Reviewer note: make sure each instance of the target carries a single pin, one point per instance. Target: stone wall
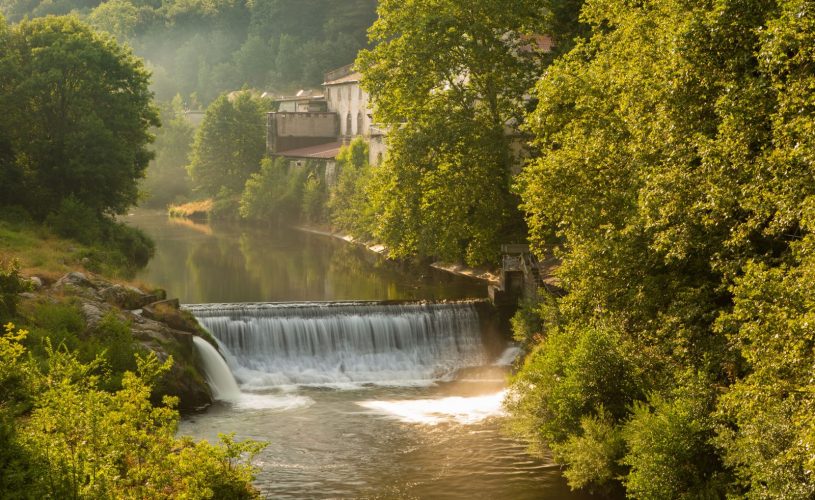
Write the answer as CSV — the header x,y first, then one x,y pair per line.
x,y
286,131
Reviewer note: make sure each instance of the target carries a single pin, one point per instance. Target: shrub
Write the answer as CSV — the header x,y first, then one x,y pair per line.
x,y
570,376
314,198
669,445
76,221
11,284
593,457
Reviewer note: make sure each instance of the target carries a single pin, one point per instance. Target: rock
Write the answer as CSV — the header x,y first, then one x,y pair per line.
x,y
77,283
163,328
126,297
75,279
93,313
36,283
169,312
185,379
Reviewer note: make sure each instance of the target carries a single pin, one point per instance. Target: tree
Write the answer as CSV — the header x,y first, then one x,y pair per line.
x,y
676,176
348,202
446,78
229,145
80,118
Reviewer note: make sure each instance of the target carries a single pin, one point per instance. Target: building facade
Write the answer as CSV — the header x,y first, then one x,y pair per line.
x,y
313,126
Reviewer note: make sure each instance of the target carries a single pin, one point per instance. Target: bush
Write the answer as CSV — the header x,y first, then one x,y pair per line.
x,y
571,375
113,246
314,198
348,202
135,246
76,221
95,444
593,458
11,284
669,445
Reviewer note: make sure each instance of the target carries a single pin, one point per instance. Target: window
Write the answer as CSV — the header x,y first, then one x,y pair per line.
x,y
360,93
359,123
348,125
328,93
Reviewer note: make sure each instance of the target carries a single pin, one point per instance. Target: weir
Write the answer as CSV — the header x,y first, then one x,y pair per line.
x,y
277,344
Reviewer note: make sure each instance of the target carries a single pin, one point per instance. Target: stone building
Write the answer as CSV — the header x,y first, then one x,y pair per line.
x,y
314,126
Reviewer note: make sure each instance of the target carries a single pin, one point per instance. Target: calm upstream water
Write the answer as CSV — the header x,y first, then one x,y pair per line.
x,y
356,399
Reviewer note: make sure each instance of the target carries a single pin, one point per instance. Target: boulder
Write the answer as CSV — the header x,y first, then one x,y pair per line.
x,y
127,297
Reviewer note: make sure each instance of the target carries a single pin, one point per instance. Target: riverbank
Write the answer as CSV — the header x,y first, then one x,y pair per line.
x,y
482,274
57,295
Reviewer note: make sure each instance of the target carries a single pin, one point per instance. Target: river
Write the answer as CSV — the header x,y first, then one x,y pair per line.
x,y
355,400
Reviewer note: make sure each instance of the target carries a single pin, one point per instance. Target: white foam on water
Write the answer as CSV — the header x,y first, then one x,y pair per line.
x,y
456,409
284,402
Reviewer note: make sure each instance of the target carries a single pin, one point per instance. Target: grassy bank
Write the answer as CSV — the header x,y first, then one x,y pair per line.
x,y
41,252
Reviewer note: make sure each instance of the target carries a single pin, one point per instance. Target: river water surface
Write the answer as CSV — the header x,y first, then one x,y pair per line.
x,y
355,400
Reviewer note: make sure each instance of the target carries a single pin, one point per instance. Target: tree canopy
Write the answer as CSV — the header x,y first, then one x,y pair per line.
x,y
676,176
446,78
229,144
77,114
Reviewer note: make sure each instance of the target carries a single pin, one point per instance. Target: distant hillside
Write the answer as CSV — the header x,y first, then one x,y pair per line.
x,y
199,48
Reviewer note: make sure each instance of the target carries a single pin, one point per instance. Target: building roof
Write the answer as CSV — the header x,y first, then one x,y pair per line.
x,y
325,151
344,74
539,43
350,78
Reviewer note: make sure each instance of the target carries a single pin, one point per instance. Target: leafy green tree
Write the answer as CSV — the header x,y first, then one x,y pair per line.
x,y
675,176
274,192
85,126
446,79
229,145
348,202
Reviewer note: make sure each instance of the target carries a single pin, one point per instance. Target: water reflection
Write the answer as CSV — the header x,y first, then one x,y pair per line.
x,y
201,263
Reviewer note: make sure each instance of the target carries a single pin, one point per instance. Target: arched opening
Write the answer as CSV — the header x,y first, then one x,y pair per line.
x,y
348,124
359,123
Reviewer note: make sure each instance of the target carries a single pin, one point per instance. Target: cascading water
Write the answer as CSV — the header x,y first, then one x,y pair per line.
x,y
269,345
219,377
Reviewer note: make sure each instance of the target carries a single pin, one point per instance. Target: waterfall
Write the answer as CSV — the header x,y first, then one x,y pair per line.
x,y
218,375
268,345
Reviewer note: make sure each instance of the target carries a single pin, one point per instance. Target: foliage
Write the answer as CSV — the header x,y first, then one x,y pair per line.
x,y
76,117
275,193
570,375
669,445
205,48
166,178
83,442
11,284
772,407
315,195
348,203
444,186
675,172
228,145
114,244
593,456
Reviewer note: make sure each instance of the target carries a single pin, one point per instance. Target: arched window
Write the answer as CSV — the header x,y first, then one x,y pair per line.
x,y
359,123
328,93
348,125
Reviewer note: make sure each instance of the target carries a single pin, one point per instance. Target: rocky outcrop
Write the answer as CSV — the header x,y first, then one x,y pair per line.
x,y
157,324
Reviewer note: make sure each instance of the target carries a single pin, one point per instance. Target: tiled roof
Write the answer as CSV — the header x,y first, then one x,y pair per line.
x,y
325,151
